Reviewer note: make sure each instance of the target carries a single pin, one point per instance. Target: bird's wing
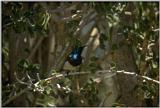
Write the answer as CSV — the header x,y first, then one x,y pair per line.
x,y
68,66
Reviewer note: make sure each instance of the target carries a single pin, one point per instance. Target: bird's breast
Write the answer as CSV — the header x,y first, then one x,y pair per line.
x,y
75,60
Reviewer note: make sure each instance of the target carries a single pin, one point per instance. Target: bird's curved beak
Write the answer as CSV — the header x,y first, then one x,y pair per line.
x,y
84,46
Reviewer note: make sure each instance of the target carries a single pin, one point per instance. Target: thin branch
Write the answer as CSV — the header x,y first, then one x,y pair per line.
x,y
38,77
20,80
91,16
73,17
30,79
139,76
58,75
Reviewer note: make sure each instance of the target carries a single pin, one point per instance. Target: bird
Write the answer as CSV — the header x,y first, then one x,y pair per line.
x,y
74,58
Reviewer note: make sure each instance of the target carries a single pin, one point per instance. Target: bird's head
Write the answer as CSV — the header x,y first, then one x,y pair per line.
x,y
80,49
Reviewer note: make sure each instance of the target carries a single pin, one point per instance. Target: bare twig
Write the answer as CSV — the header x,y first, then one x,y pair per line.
x,y
139,76
38,77
30,79
73,17
58,75
21,80
91,16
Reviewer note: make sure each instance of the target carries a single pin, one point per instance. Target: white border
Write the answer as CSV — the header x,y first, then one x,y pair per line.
x,y
1,54
85,0
66,1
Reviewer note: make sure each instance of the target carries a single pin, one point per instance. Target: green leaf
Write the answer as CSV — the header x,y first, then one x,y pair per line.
x,y
103,36
33,67
114,47
113,65
154,65
23,64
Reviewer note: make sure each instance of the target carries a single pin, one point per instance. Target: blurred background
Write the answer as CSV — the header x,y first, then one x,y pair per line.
x,y
37,38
